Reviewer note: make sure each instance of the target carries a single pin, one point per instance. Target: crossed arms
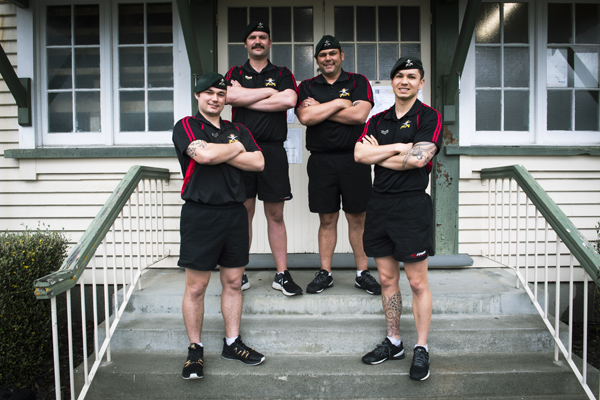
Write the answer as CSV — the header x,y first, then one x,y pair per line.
x,y
260,99
234,154
396,156
311,112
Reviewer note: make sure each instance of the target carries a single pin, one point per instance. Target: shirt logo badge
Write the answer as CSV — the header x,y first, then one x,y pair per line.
x,y
270,82
406,124
215,134
232,138
385,132
344,93
248,77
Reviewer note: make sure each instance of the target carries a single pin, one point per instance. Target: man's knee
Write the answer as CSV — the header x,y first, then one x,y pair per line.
x,y
196,290
328,221
274,212
418,284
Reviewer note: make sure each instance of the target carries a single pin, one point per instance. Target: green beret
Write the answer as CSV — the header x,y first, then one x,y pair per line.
x,y
256,26
327,42
211,79
407,63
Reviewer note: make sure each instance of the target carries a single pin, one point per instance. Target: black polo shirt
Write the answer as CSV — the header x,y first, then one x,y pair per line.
x,y
329,136
267,127
421,124
210,184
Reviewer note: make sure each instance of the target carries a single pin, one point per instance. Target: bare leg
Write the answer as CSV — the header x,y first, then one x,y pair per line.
x,y
250,205
327,238
356,227
389,275
277,233
193,302
231,300
422,302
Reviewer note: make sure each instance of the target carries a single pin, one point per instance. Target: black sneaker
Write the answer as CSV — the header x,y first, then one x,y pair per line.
x,y
366,282
194,366
419,370
239,351
321,282
245,282
286,284
384,351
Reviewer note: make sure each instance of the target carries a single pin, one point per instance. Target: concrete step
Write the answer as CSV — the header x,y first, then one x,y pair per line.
x,y
332,335
459,291
498,376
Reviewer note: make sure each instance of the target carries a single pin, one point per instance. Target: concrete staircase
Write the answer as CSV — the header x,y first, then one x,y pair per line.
x,y
486,342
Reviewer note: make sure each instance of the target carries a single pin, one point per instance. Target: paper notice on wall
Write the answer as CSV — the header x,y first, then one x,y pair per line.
x,y
384,98
291,117
293,146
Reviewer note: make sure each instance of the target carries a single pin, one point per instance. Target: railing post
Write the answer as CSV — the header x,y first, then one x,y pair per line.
x,y
557,301
57,389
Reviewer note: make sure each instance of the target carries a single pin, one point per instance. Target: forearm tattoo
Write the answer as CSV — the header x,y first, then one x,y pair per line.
x,y
392,307
420,151
194,147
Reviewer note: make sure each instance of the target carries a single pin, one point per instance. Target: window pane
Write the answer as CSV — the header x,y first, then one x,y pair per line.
x,y
160,23
410,50
587,23
516,110
281,29
557,68
303,24
237,55
348,63
60,112
87,24
388,54
410,24
58,26
343,23
586,110
559,110
586,68
59,69
281,55
260,14
160,111
487,108
87,68
560,25
132,111
87,111
488,62
487,29
367,60
516,23
131,23
388,24
131,67
365,24
516,67
237,20
303,62
160,67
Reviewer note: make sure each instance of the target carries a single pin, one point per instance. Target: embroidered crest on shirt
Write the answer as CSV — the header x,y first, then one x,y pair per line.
x,y
232,138
406,124
215,134
248,77
344,93
270,82
385,132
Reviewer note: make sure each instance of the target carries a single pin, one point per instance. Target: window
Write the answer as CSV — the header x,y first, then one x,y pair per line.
x,y
532,75
108,73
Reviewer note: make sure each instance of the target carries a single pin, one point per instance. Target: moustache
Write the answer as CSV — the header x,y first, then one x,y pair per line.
x,y
258,46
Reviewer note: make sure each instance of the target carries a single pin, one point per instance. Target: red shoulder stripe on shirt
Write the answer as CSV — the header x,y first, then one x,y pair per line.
x,y
188,130
438,128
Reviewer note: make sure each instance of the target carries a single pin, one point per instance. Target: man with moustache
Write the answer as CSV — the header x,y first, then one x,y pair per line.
x,y
261,93
401,143
214,223
334,106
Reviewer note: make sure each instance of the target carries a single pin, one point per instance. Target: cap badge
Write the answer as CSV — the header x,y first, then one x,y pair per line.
x,y
222,83
409,62
327,43
260,26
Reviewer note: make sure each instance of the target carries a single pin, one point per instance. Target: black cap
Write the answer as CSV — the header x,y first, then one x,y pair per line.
x,y
256,26
407,63
213,79
327,42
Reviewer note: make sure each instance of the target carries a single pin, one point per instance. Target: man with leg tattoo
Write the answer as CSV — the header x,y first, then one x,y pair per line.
x,y
401,143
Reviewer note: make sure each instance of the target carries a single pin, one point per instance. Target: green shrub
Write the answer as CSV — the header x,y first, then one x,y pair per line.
x,y
25,334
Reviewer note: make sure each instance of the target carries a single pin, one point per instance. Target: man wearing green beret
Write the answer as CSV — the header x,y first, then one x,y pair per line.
x,y
214,223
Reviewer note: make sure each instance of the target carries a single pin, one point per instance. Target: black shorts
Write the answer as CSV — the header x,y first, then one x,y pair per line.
x,y
273,182
399,225
213,235
333,175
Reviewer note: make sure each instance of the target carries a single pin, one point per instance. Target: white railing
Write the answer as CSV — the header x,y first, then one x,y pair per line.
x,y
529,233
127,235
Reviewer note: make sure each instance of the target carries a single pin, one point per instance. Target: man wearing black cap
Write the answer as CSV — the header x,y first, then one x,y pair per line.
x,y
401,143
334,106
214,223
261,93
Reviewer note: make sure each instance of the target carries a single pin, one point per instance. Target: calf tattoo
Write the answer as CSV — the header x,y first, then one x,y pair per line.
x,y
392,307
194,146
